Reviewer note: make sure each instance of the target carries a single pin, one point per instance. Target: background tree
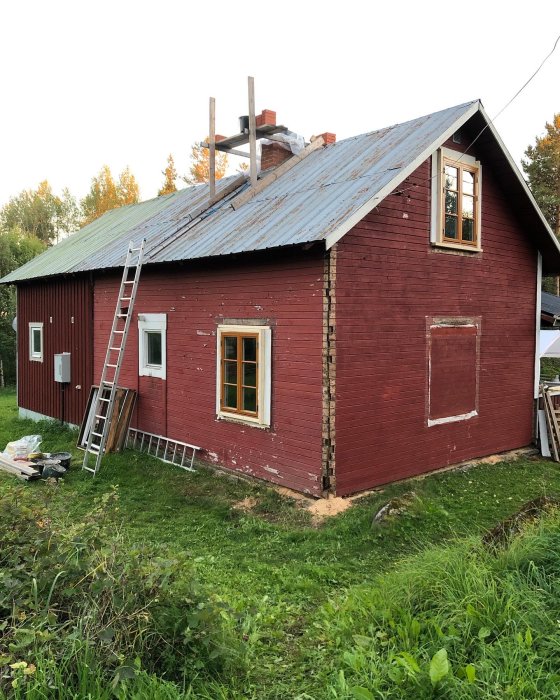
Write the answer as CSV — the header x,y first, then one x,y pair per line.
x,y
41,213
16,248
170,174
106,194
542,167
200,165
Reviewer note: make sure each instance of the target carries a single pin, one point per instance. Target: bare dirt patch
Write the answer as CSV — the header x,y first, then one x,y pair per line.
x,y
246,505
327,508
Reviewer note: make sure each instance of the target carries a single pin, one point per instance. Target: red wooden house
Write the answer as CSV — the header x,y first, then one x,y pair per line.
x,y
368,314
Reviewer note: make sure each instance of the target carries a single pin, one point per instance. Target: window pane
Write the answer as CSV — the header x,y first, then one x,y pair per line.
x,y
230,372
36,341
450,226
154,348
250,400
450,202
230,347
468,230
230,396
468,207
450,177
249,374
250,349
468,182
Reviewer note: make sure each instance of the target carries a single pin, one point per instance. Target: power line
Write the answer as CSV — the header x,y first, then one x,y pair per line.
x,y
471,144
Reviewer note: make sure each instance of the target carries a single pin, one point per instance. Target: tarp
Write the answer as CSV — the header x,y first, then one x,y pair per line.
x,y
549,344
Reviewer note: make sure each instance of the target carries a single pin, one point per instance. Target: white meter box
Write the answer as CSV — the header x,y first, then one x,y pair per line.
x,y
62,368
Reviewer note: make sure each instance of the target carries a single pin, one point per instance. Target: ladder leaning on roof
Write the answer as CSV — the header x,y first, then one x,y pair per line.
x,y
105,400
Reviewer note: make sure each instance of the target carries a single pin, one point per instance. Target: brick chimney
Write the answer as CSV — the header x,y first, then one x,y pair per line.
x,y
273,155
328,138
266,118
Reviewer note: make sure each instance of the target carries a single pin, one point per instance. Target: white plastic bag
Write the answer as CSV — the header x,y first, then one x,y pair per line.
x,y
20,449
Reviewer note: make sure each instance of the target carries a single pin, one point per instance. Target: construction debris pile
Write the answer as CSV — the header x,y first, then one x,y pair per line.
x,y
22,459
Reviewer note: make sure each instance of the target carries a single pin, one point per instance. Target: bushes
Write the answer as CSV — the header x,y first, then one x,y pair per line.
x,y
455,622
78,596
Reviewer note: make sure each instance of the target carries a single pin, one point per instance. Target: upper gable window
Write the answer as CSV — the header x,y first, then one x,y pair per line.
x,y
456,200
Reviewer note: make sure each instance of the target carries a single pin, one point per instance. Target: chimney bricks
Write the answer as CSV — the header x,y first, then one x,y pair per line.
x,y
273,155
266,118
328,138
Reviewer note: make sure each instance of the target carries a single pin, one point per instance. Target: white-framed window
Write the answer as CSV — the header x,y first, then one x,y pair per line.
x,y
36,341
243,374
152,350
456,201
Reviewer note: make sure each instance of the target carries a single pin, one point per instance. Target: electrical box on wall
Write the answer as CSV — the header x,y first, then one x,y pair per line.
x,y
62,368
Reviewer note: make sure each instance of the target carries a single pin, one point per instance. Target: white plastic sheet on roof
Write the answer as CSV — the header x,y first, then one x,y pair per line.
x,y
549,343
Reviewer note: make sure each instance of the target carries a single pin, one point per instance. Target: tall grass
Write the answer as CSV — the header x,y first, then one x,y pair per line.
x,y
456,622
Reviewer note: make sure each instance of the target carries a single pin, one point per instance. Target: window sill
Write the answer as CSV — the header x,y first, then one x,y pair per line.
x,y
36,359
149,372
452,419
456,246
242,420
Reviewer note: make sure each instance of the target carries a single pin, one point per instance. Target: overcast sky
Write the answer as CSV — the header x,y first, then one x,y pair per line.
x,y
127,82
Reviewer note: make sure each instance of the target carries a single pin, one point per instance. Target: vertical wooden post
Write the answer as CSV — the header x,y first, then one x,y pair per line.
x,y
252,133
212,149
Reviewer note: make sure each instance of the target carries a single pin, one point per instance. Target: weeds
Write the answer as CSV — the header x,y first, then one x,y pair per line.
x,y
110,587
72,592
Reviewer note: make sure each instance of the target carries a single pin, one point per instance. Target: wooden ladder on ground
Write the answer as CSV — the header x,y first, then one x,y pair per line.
x,y
105,400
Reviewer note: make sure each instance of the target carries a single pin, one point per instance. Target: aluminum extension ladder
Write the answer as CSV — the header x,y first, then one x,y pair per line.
x,y
105,400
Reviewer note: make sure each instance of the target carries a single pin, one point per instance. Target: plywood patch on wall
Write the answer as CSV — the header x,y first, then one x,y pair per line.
x,y
453,368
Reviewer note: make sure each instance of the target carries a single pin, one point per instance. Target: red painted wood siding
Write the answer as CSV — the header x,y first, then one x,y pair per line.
x,y
65,307
389,283
284,290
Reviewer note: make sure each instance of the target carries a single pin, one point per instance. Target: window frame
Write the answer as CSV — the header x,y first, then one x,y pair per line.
x,y
152,323
36,356
441,158
260,417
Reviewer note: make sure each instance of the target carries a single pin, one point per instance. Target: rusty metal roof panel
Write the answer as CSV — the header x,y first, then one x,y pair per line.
x,y
310,202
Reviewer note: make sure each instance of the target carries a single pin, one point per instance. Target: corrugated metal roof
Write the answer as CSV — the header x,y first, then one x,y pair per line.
x,y
310,202
550,304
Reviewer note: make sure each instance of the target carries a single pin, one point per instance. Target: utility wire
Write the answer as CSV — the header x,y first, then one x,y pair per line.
x,y
471,144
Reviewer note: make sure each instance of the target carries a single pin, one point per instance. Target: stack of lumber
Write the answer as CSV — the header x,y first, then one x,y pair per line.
x,y
550,428
23,470
125,400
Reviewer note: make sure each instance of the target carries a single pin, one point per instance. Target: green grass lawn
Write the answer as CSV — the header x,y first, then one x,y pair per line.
x,y
276,571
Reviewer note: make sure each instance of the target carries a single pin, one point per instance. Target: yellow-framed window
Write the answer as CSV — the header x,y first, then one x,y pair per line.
x,y
460,217
239,373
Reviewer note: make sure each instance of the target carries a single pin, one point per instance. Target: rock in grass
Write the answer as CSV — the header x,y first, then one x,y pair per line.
x,y
395,507
529,512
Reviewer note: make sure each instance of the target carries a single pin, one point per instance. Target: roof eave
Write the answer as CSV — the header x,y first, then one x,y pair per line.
x,y
551,261
359,214
548,245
